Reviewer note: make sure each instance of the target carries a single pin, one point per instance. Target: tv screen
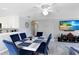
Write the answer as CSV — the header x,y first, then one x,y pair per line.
x,y
69,25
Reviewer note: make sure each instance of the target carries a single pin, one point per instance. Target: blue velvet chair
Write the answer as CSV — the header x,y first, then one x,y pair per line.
x,y
11,48
39,34
71,51
75,50
23,36
44,46
15,37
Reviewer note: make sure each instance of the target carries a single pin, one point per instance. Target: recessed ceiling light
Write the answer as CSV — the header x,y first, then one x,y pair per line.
x,y
4,8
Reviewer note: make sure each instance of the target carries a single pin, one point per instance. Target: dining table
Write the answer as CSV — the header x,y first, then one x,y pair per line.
x,y
30,45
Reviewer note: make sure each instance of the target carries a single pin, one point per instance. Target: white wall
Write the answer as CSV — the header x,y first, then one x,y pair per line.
x,y
9,21
45,26
22,27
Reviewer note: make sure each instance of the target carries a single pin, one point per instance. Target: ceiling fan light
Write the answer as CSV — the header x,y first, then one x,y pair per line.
x,y
45,12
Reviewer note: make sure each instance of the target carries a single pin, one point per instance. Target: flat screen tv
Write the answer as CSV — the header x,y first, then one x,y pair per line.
x,y
69,25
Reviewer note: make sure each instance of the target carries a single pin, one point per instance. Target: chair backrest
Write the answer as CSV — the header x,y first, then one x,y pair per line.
x,y
23,35
71,51
11,47
39,34
49,38
15,37
77,51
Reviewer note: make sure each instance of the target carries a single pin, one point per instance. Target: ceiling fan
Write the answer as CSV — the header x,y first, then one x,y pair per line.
x,y
45,8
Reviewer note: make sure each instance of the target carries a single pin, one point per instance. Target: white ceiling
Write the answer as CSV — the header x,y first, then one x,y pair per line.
x,y
30,9
15,8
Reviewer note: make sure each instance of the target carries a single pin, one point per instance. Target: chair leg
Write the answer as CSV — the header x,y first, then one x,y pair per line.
x,y
46,51
34,53
47,47
37,53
